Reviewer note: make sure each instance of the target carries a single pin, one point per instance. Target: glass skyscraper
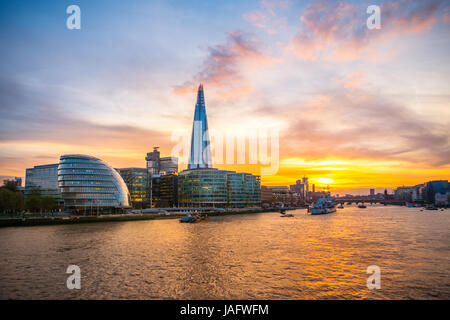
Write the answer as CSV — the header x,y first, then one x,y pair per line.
x,y
200,156
203,186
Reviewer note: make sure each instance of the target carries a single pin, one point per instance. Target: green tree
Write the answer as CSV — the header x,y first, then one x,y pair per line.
x,y
20,201
49,203
11,201
11,185
33,203
6,200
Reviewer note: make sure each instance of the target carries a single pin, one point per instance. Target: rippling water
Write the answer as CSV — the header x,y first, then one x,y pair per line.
x,y
255,256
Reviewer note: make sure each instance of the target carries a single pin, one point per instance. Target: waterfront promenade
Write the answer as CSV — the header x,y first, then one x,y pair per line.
x,y
19,221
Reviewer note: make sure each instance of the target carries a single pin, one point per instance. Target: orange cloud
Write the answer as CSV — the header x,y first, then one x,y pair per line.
x,y
337,31
354,80
266,18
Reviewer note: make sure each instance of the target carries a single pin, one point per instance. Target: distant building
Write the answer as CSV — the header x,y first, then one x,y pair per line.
x,y
88,183
372,192
168,165
43,179
417,194
433,187
158,165
442,199
17,181
300,187
153,161
281,195
314,196
279,189
403,193
305,182
137,182
266,195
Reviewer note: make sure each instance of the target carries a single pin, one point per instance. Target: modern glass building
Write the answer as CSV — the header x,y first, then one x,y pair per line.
x,y
43,180
168,191
211,187
433,187
85,181
244,190
200,156
202,188
138,185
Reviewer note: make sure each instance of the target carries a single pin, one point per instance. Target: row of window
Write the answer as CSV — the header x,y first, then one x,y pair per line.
x,y
86,177
84,171
85,183
81,165
89,189
90,202
86,196
71,160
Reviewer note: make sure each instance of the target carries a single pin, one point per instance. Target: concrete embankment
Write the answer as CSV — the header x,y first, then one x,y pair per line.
x,y
41,221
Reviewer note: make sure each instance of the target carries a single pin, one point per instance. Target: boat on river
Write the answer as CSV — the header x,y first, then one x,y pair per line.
x,y
323,205
194,218
188,219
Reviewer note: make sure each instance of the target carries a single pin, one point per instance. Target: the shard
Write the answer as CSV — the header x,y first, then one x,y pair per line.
x,y
200,156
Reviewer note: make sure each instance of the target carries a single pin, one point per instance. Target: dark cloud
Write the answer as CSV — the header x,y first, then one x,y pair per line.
x,y
222,67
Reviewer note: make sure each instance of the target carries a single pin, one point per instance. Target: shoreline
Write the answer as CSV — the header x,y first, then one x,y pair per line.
x,y
64,220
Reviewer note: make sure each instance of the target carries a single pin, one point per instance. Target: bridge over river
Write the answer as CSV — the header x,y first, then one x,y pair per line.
x,y
371,201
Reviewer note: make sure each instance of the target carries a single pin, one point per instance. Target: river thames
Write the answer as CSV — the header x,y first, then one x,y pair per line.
x,y
252,256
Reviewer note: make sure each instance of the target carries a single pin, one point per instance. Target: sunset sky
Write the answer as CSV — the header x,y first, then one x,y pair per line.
x,y
355,108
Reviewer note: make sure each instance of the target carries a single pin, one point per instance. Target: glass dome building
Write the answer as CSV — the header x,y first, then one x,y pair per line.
x,y
86,181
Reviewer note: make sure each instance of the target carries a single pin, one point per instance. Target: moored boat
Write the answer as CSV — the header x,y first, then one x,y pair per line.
x,y
323,206
289,215
188,219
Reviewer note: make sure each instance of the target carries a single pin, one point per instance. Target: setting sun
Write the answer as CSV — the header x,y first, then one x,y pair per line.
x,y
323,180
